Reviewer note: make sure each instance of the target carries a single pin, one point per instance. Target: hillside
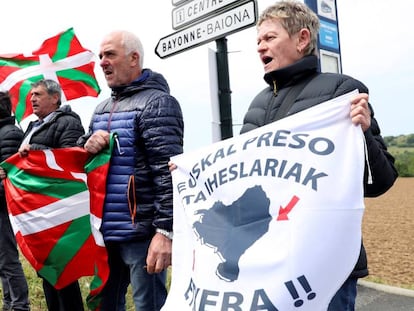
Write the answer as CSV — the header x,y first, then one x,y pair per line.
x,y
402,148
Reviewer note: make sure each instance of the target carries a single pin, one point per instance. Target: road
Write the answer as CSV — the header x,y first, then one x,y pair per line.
x,y
375,297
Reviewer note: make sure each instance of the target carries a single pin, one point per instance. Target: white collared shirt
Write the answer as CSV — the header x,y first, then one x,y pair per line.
x,y
36,125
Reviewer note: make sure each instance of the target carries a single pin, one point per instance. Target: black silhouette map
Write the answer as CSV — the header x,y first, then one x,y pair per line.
x,y
232,229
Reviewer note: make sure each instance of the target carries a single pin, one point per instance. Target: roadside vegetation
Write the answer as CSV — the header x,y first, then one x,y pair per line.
x,y
402,148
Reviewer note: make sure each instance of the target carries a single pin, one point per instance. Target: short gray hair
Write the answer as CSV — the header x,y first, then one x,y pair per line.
x,y
132,43
51,86
294,16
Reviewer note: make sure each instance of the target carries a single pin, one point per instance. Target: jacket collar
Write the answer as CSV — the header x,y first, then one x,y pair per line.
x,y
291,74
140,81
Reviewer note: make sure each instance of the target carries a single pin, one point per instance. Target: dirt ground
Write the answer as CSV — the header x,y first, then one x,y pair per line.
x,y
388,233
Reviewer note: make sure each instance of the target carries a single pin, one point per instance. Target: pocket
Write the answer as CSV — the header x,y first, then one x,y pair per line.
x,y
132,200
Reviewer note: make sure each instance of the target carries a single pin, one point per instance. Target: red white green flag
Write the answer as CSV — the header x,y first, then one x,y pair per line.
x,y
61,58
55,199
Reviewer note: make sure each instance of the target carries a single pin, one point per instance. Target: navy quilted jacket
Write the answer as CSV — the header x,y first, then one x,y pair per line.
x,y
320,88
149,125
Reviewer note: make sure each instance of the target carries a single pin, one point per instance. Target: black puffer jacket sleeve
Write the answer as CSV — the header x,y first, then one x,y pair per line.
x,y
61,131
11,137
380,162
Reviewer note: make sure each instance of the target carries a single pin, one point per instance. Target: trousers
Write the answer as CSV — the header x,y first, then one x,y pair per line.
x,y
68,298
15,289
344,299
127,262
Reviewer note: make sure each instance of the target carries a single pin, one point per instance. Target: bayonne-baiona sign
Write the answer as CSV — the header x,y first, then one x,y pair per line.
x,y
225,23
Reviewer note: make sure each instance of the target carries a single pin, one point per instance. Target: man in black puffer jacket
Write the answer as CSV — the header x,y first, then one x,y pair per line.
x,y
287,44
56,127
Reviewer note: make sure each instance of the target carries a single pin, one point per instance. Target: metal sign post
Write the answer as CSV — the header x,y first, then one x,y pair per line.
x,y
328,39
223,78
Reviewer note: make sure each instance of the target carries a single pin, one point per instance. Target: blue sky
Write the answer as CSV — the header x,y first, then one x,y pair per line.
x,y
375,45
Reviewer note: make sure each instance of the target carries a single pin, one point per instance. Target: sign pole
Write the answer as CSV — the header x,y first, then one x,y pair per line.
x,y
224,91
328,39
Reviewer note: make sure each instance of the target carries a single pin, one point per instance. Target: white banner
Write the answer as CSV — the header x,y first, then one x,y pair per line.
x,y
271,219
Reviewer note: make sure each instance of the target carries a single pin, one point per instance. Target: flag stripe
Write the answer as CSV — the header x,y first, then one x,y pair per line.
x,y
24,73
63,254
57,213
102,160
84,255
17,207
23,91
62,47
51,186
47,185
85,83
16,61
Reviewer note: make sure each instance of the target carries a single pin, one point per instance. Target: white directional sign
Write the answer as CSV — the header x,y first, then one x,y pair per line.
x,y
178,2
195,10
208,30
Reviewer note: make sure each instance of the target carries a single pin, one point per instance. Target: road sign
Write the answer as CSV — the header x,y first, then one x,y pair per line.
x,y
219,26
195,10
178,2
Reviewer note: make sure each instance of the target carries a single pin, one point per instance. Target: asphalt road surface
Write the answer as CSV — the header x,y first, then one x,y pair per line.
x,y
374,297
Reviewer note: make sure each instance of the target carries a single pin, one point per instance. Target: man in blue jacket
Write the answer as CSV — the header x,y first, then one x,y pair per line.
x,y
138,209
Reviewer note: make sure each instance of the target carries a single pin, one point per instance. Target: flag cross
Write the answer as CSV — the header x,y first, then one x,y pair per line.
x,y
47,68
60,58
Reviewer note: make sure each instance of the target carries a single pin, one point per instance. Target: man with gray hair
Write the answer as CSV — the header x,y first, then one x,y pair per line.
x,y
138,210
57,127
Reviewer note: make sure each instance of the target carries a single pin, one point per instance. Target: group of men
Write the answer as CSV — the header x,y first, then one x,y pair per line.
x,y
149,126
138,210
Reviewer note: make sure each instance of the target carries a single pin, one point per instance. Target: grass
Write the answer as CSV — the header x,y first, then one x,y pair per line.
x,y
37,299
35,288
398,150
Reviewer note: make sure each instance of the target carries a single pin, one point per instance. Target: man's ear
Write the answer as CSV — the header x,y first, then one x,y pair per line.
x,y
135,59
56,98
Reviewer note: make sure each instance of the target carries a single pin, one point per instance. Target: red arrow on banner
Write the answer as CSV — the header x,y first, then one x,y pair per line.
x,y
283,212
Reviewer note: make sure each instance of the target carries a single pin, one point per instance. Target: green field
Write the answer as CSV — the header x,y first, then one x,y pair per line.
x,y
37,299
398,150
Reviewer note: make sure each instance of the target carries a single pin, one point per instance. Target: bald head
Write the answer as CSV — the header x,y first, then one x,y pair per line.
x,y
122,57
